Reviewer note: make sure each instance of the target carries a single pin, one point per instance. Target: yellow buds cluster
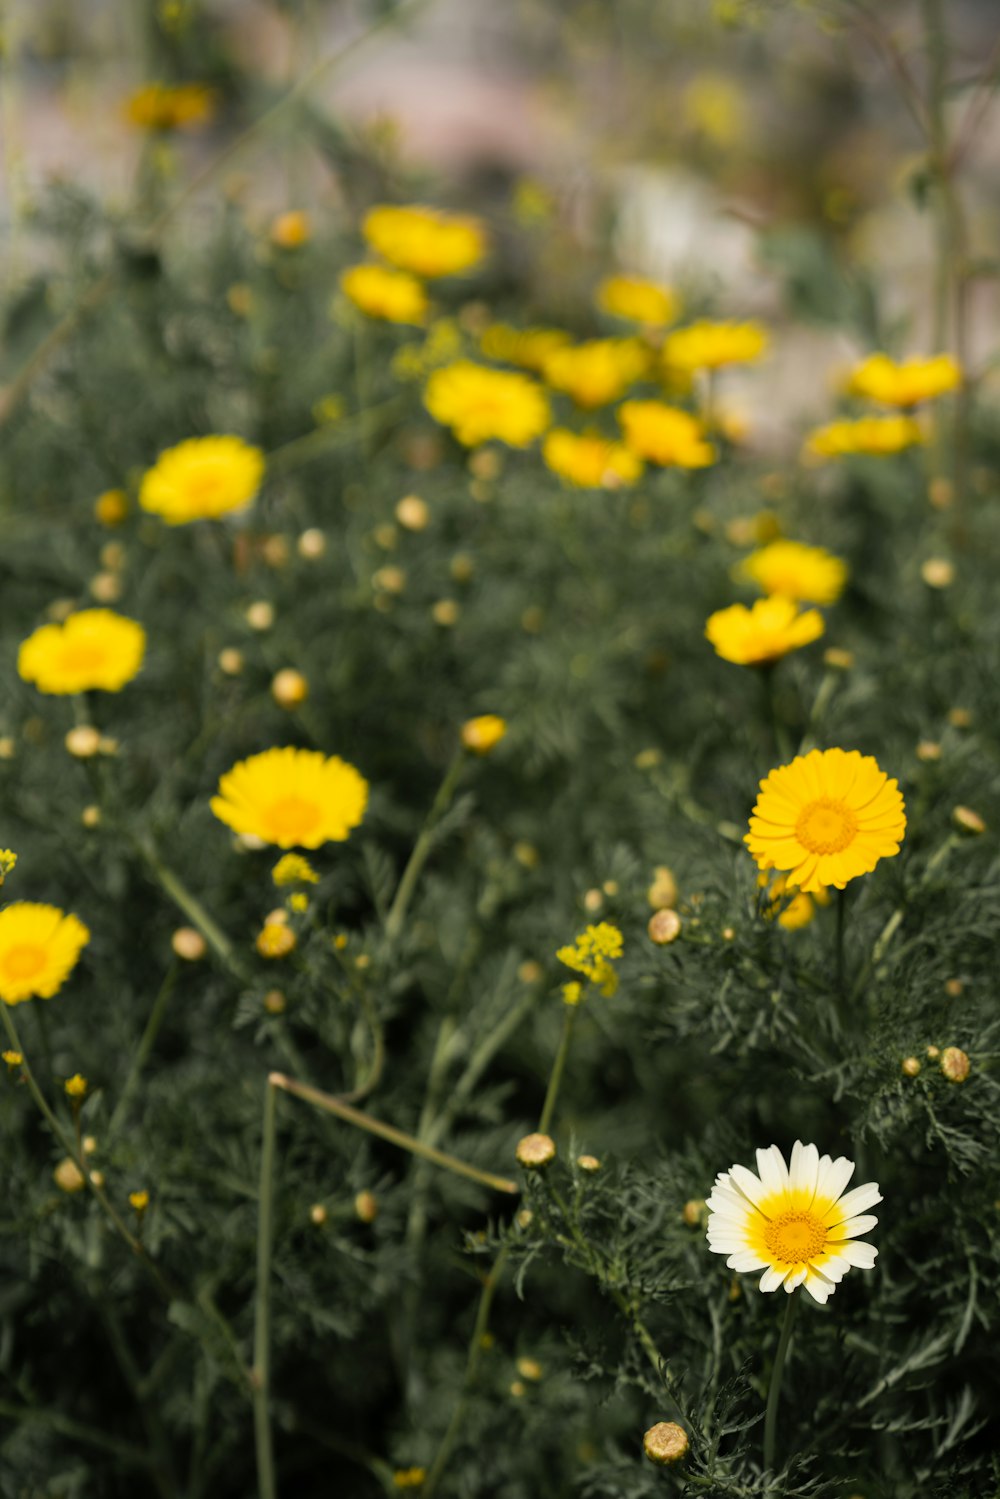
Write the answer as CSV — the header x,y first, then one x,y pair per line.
x,y
592,954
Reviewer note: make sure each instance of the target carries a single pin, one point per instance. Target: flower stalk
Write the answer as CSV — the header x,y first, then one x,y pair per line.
x,y
774,1388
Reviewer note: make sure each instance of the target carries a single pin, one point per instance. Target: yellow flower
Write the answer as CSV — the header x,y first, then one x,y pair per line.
x,y
75,1086
292,797
592,954
395,296
8,860
877,435
808,574
12,1058
478,404
826,818
572,992
665,434
908,383
275,940
409,1478
39,946
637,300
293,869
527,347
298,902
164,106
794,1222
202,478
763,633
714,106
290,230
707,346
598,371
589,460
789,906
94,648
111,507
482,734
139,1200
424,240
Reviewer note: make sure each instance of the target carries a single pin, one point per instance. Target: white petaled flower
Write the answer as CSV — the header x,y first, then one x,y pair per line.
x,y
796,1222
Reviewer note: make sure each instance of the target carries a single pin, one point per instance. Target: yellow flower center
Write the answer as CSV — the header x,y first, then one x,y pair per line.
x,y
292,818
794,1237
24,961
826,826
82,656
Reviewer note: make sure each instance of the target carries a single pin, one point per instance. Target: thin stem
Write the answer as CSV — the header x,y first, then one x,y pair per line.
x,y
262,1302
774,1388
558,1067
421,849
331,1105
144,1048
193,909
841,932
775,728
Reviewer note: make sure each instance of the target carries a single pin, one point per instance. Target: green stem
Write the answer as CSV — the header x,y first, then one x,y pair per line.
x,y
262,1302
193,910
776,729
144,1048
421,849
774,1388
841,932
558,1067
331,1105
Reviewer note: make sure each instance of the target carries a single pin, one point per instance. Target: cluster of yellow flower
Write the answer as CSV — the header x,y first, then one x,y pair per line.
x,y
789,573
904,386
419,244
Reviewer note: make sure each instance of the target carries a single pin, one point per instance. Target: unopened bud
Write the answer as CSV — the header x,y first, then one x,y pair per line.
x,y
534,1152
289,688
445,612
928,750
530,972
664,927
260,616
588,1163
693,1211
911,1067
955,1064
84,741
938,572
413,513
311,544
68,1177
275,1002
529,1368
90,816
317,1214
366,1206
666,1442
838,659
231,661
593,900
189,944
967,820
663,891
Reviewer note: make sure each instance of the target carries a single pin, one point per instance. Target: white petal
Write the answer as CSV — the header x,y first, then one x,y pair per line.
x,y
835,1267
796,1278
858,1200
818,1287
860,1255
729,1197
804,1168
772,1279
772,1170
745,1260
748,1184
833,1176
725,1244
853,1227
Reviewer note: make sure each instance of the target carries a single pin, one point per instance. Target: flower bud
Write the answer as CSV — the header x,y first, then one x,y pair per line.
x,y
960,718
482,734
290,230
534,1152
664,927
529,1368
837,659
366,1206
955,1064
188,944
90,816
938,572
588,1163
275,1002
911,1066
231,661
693,1212
664,1443
593,900
111,507
967,820
530,972
953,988
311,544
84,741
317,1214
106,588
68,1177
260,616
389,579
413,513
662,893
289,688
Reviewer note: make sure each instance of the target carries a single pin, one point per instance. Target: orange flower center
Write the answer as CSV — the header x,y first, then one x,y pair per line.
x,y
826,826
794,1237
292,818
23,961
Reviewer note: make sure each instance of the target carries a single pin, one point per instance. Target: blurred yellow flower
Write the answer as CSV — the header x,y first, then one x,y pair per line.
x,y
787,905
293,869
165,106
714,106
589,460
527,347
425,241
665,434
92,649
763,633
707,345
290,230
592,954
638,301
39,947
139,1200
876,435
826,818
482,734
598,371
75,1086
275,940
292,798
201,479
111,507
811,575
394,296
478,404
907,383
8,860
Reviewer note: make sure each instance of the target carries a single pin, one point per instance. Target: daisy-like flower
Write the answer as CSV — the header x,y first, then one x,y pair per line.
x,y
811,575
826,818
292,798
665,434
907,383
878,436
764,633
598,371
202,478
92,649
425,241
393,296
589,460
39,946
638,300
480,404
527,347
795,1222
708,346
